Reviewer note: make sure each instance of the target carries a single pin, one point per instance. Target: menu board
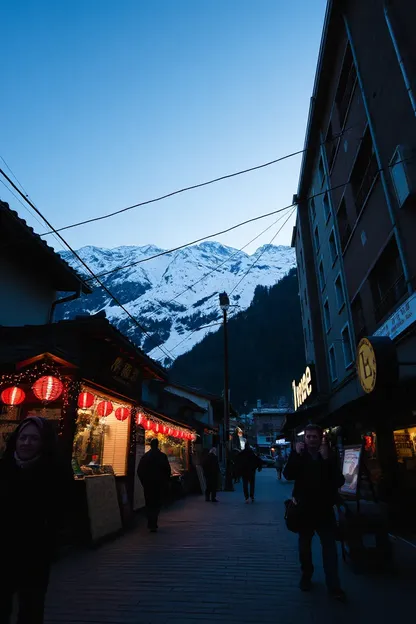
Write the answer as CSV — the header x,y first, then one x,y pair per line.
x,y
351,469
103,507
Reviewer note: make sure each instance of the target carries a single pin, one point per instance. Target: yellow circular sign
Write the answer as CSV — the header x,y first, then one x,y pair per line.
x,y
366,365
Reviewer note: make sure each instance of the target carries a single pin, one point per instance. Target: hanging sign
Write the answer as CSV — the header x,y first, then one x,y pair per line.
x,y
377,365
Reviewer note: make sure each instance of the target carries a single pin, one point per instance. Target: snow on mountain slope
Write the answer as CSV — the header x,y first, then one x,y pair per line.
x,y
175,294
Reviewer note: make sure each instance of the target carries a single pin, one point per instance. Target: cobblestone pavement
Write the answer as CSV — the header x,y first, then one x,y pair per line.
x,y
228,563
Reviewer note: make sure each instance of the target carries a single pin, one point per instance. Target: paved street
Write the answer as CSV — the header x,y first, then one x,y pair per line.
x,y
229,562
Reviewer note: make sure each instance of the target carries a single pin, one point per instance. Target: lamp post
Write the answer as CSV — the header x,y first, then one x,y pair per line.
x,y
228,486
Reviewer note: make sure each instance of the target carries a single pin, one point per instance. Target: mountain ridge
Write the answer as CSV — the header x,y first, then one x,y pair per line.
x,y
174,294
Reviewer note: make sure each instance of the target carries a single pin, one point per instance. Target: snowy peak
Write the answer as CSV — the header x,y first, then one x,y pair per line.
x,y
175,294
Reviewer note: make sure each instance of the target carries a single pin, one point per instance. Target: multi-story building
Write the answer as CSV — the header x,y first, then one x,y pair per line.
x,y
355,234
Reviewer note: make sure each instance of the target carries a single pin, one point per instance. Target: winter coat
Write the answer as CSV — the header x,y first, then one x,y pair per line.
x,y
154,469
247,462
38,498
316,484
211,468
280,462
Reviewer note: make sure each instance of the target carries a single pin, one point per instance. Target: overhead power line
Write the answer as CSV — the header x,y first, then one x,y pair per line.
x,y
113,297
195,186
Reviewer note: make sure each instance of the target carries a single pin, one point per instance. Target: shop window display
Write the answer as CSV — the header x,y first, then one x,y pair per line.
x,y
175,449
101,437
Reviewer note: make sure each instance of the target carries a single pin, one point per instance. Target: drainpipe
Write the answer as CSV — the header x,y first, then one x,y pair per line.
x,y
72,297
400,60
379,163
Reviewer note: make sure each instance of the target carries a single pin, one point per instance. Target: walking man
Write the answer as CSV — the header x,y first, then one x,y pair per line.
x,y
154,473
211,469
280,464
317,479
247,464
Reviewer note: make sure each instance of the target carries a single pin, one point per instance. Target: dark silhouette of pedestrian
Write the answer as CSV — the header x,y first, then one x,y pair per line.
x,y
36,494
280,464
211,468
317,479
247,463
154,473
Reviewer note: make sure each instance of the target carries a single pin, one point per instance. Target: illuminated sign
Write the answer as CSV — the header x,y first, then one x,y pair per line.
x,y
303,390
377,365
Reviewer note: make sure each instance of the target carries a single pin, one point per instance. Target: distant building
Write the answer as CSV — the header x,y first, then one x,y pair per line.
x,y
268,423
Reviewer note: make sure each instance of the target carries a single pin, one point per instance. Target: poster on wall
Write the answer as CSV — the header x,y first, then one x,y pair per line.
x,y
351,469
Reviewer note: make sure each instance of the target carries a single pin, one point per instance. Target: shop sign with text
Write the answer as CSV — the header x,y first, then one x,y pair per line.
x,y
303,390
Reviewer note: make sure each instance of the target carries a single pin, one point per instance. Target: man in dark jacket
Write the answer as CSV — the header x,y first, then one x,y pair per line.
x,y
154,473
211,470
317,479
247,463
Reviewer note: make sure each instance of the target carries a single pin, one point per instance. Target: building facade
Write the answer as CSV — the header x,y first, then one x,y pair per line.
x,y
356,221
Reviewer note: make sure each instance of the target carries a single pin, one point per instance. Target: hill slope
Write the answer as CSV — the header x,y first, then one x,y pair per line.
x,y
266,349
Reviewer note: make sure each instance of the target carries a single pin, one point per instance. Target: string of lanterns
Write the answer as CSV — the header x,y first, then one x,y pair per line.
x,y
48,388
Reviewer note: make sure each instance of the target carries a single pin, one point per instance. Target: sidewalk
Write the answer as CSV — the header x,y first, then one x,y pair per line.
x,y
228,563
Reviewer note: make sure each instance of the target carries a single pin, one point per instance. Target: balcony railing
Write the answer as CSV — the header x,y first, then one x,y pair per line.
x,y
392,297
366,184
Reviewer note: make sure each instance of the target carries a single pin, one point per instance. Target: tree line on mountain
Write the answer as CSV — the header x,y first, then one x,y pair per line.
x,y
266,350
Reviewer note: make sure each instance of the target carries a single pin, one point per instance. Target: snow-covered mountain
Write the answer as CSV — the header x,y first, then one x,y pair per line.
x,y
175,294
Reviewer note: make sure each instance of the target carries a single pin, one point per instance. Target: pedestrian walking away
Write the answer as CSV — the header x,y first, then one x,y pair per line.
x,y
280,464
211,468
247,464
317,477
154,473
36,497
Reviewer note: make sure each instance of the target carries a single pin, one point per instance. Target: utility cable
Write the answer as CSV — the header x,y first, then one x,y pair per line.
x,y
200,185
113,297
266,248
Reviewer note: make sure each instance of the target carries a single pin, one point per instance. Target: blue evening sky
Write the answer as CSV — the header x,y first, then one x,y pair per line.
x,y
108,103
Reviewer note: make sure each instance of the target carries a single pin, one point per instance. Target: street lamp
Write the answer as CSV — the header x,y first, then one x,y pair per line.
x,y
228,486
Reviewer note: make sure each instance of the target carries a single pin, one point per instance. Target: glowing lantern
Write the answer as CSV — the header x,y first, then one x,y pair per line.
x,y
13,396
122,413
48,388
104,408
85,400
156,427
139,418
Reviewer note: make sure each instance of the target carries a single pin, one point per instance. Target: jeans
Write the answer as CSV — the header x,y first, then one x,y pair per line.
x,y
249,481
329,554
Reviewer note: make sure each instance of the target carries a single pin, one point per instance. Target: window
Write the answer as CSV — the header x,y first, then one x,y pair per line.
x,y
327,317
332,363
327,207
321,171
317,243
339,292
358,318
346,86
399,175
331,146
321,275
102,440
312,208
364,172
333,247
344,227
346,346
387,281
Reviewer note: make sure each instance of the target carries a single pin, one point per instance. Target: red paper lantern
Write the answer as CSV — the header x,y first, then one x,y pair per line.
x,y
139,418
104,408
122,413
156,427
48,388
85,400
13,396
